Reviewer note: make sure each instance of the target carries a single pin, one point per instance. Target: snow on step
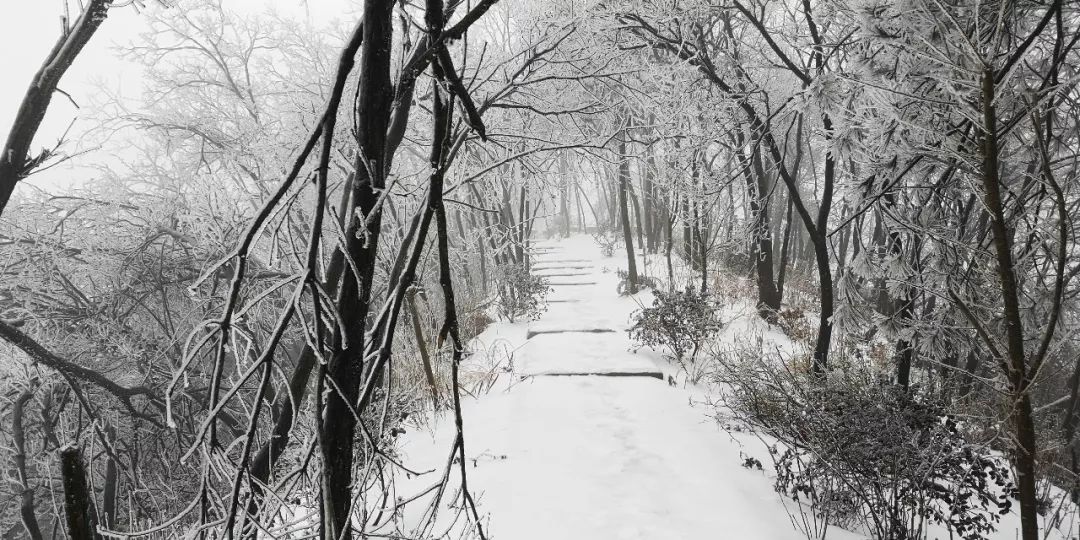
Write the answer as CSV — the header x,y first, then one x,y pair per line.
x,y
581,353
551,261
596,306
560,330
579,314
547,271
565,274
560,266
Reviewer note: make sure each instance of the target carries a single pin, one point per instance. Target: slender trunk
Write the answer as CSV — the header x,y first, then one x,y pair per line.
x,y
523,219
421,345
637,212
667,252
971,368
581,209
785,249
1019,378
845,241
624,212
900,304
687,238
825,287
108,493
648,194
761,238
702,245
27,508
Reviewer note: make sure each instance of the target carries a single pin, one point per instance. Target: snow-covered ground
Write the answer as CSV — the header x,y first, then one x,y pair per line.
x,y
561,449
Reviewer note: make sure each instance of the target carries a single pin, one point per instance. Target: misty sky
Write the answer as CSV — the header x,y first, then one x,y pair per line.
x,y
29,28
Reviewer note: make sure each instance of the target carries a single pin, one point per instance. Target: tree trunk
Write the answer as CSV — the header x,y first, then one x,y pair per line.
x,y
109,493
648,197
687,238
564,194
1019,378
637,211
346,368
27,508
624,213
785,250
668,242
421,345
761,238
78,506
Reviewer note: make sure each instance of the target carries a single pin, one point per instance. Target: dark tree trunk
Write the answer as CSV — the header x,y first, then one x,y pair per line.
x,y
702,255
971,369
669,221
624,212
1019,379
346,368
648,191
899,306
825,287
687,237
785,250
581,209
421,346
109,492
78,506
637,212
27,508
761,250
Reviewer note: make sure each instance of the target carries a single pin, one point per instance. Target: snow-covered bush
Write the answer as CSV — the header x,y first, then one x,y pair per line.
x,y
643,282
607,241
521,294
862,453
679,322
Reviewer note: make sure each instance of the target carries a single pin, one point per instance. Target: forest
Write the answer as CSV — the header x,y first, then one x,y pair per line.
x,y
515,269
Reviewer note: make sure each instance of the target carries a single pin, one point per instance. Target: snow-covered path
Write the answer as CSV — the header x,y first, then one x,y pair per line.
x,y
585,439
566,451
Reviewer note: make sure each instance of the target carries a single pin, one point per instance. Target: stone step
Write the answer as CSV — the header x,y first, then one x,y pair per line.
x,y
533,333
649,374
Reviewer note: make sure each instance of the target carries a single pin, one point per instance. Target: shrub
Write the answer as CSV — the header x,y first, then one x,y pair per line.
x,y
679,321
607,241
473,323
793,322
861,452
521,294
643,282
